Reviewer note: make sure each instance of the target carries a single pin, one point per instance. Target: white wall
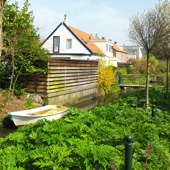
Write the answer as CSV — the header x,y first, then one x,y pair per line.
x,y
64,34
102,45
133,51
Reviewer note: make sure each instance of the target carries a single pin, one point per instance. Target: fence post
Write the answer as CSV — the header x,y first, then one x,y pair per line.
x,y
128,153
153,111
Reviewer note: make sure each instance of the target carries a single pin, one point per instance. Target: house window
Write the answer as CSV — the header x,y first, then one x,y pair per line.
x,y
110,48
69,43
56,44
107,47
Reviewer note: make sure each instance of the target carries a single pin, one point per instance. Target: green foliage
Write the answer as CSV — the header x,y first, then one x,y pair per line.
x,y
154,64
134,79
122,71
139,66
93,139
19,91
161,68
22,52
29,104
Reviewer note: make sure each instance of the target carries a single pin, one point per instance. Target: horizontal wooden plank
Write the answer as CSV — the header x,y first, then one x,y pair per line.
x,y
69,76
82,62
52,93
37,80
61,80
71,71
72,68
65,78
37,86
44,83
65,85
37,77
65,89
72,64
61,85
70,81
32,90
59,76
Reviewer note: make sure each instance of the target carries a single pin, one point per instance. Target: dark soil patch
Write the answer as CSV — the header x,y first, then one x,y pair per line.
x,y
13,104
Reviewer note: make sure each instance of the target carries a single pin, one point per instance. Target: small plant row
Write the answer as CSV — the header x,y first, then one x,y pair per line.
x,y
92,140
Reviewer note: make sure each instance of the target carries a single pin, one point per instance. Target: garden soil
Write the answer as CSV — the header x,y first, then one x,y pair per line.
x,y
14,104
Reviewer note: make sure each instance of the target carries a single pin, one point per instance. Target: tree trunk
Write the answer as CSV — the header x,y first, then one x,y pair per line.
x,y
147,80
167,76
2,2
1,12
12,76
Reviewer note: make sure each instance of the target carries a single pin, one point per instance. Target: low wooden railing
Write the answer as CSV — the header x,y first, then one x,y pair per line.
x,y
140,79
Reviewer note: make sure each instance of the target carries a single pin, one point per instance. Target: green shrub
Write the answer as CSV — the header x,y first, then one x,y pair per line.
x,y
19,91
29,104
93,139
106,78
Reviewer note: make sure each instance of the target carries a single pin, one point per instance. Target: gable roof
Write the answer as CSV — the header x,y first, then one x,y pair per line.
x,y
86,39
51,33
83,38
115,47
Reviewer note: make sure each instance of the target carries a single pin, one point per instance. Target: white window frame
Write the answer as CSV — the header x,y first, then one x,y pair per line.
x,y
56,44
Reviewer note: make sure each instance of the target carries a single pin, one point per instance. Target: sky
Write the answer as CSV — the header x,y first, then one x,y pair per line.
x,y
106,18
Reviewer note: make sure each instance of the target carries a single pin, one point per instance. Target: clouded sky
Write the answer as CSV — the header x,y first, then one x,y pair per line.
x,y
106,18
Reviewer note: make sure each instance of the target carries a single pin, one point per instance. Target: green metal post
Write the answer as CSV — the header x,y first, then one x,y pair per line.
x,y
128,153
153,110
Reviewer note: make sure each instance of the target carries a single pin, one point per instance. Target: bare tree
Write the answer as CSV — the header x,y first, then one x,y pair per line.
x,y
149,30
2,2
163,52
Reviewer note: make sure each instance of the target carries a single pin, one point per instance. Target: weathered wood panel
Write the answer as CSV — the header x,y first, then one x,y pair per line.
x,y
67,80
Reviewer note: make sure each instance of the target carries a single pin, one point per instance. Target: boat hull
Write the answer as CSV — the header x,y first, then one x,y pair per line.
x,y
49,112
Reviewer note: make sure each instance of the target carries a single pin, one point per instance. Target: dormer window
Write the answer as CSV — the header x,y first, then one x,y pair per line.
x,y
56,44
69,43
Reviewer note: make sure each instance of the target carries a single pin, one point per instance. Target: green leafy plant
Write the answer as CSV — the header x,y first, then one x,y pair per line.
x,y
93,139
18,91
23,54
29,104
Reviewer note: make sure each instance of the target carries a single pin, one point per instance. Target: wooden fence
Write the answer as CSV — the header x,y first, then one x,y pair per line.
x,y
68,82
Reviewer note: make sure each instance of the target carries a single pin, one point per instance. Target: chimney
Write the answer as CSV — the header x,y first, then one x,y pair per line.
x,y
65,19
96,36
90,36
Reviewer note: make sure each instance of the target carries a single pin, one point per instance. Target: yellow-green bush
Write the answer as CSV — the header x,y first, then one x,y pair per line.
x,y
106,78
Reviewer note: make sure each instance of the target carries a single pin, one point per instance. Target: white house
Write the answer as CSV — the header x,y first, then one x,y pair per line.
x,y
107,48
134,51
67,42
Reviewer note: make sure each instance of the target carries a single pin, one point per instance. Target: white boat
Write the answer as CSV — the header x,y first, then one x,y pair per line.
x,y
49,112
